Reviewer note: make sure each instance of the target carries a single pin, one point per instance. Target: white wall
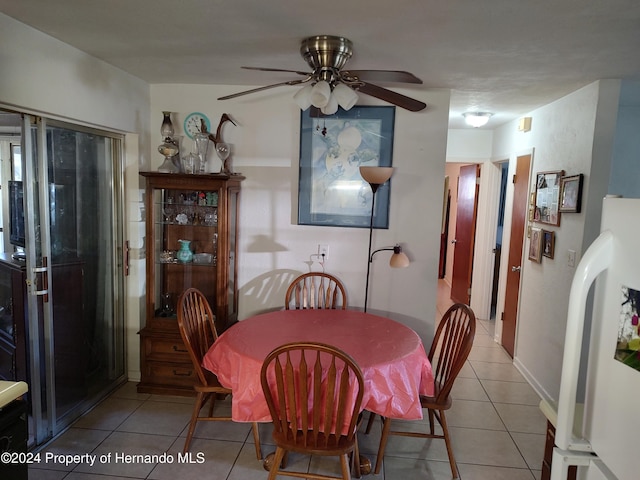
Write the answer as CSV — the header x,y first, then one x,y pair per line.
x,y
273,247
574,133
44,76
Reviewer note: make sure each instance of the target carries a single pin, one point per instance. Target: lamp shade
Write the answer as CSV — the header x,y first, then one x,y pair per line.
x,y
331,107
303,97
346,96
376,175
320,94
399,259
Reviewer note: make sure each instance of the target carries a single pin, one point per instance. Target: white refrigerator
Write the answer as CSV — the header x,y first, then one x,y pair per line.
x,y
602,434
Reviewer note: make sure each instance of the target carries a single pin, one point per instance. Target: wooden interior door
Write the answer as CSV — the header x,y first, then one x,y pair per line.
x,y
465,233
518,225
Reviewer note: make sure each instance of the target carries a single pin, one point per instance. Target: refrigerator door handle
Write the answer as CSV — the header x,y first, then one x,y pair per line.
x,y
596,259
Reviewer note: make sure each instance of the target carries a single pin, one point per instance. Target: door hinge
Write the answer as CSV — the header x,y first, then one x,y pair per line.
x,y
502,316
514,179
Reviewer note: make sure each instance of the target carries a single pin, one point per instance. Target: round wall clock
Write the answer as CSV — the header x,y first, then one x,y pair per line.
x,y
193,121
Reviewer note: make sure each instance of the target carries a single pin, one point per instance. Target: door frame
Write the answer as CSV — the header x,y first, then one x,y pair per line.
x,y
506,239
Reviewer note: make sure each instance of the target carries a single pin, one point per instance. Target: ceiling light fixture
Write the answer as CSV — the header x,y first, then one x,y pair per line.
x,y
477,119
326,96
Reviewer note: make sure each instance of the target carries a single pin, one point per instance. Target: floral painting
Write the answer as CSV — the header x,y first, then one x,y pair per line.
x,y
628,348
332,148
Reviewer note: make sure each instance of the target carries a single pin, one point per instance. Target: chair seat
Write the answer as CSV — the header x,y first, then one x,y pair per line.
x,y
433,402
213,384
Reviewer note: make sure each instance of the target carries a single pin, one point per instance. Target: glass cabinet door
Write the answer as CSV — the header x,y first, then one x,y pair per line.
x,y
186,245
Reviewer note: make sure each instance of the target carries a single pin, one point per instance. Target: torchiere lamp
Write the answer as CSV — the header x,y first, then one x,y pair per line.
x,y
376,176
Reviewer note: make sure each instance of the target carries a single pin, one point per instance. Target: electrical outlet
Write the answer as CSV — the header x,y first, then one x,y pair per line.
x,y
571,258
323,251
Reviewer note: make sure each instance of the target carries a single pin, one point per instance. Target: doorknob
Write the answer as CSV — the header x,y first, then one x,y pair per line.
x,y
454,241
515,269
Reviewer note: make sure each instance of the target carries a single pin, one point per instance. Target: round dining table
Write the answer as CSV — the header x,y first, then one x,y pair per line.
x,y
391,356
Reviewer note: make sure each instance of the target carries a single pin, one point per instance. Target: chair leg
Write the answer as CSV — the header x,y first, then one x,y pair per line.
x,y
447,440
372,417
386,426
256,440
344,463
277,459
355,460
212,404
194,420
431,422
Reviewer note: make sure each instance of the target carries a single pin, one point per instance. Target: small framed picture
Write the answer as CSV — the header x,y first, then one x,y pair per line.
x,y
548,243
571,193
535,245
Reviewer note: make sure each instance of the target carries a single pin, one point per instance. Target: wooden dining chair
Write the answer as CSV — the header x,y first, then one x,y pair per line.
x,y
330,386
316,290
198,331
449,351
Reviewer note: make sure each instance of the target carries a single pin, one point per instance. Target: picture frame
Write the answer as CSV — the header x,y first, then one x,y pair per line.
x,y
535,245
547,209
548,243
571,194
331,191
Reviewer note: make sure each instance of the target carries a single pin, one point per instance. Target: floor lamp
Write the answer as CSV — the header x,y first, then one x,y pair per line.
x,y
376,176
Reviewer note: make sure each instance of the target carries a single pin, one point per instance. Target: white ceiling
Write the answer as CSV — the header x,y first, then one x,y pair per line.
x,y
503,56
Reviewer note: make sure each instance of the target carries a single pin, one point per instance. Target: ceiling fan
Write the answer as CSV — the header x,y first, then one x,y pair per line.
x,y
328,85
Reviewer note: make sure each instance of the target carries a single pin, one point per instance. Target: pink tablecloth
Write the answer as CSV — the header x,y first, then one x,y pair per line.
x,y
391,356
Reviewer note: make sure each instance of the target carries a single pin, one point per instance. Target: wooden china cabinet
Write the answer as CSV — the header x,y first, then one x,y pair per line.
x,y
184,212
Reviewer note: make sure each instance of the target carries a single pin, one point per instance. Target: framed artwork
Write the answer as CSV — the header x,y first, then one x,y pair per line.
x,y
535,245
547,208
331,191
548,243
571,193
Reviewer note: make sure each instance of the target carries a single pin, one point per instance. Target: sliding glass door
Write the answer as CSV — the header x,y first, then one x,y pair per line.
x,y
66,209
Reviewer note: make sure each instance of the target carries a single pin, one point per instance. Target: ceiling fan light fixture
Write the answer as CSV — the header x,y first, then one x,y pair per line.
x,y
303,97
320,94
331,107
345,96
477,119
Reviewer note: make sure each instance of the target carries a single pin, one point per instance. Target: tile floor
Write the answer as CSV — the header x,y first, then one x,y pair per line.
x,y
497,428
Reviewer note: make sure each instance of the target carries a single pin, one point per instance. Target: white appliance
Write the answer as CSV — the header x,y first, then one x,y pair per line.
x,y
607,447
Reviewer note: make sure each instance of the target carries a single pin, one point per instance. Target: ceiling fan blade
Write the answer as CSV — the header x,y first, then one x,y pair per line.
x,y
259,89
398,99
391,76
265,69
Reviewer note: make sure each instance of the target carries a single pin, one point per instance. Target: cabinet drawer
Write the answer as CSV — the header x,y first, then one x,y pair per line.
x,y
171,373
167,349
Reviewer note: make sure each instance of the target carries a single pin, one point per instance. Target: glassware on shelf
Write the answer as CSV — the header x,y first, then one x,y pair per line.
x,y
168,150
202,147
223,151
166,129
190,163
167,256
185,255
169,147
